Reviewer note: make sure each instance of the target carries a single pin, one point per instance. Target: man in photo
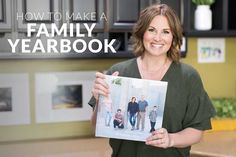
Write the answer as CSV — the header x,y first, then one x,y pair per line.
x,y
142,104
153,118
132,111
118,119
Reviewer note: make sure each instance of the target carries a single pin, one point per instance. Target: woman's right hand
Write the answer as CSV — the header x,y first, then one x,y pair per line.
x,y
100,87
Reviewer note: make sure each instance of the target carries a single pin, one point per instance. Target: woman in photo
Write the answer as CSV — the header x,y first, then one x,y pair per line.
x,y
108,109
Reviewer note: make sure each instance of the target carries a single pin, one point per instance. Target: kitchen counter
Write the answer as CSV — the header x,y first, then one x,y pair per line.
x,y
216,144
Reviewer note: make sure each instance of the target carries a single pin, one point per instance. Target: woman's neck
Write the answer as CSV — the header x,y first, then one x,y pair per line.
x,y
153,68
153,64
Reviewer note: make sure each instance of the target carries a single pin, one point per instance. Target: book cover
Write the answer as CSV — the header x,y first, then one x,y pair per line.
x,y
133,109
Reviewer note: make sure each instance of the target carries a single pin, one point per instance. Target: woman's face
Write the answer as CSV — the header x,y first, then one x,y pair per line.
x,y
158,37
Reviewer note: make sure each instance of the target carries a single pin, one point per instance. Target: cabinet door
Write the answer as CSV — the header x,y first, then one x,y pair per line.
x,y
231,17
5,15
177,5
124,13
37,11
81,11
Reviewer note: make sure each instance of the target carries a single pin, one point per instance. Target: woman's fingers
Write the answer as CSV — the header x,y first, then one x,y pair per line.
x,y
159,138
156,135
100,86
160,133
100,83
99,75
115,73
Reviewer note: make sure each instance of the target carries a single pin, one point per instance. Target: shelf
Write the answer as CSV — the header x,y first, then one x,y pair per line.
x,y
223,20
231,15
212,33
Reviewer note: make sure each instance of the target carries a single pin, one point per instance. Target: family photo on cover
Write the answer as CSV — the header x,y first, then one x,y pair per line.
x,y
133,109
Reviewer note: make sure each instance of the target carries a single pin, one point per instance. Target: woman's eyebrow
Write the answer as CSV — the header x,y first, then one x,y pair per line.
x,y
156,28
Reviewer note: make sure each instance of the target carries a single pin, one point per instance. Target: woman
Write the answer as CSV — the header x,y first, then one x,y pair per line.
x,y
157,39
108,109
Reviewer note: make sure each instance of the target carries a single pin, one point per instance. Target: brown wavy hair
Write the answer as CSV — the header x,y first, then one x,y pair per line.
x,y
145,18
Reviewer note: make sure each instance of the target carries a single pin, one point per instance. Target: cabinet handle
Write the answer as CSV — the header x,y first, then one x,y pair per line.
x,y
182,11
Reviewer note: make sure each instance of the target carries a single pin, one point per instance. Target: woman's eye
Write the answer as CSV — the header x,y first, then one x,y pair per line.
x,y
166,32
151,30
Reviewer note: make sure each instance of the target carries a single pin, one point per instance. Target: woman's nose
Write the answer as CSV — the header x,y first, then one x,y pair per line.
x,y
157,36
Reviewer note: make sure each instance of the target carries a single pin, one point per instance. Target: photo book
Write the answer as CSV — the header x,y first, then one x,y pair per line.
x,y
133,109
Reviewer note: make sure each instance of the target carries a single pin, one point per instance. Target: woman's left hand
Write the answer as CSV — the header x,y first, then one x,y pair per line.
x,y
159,138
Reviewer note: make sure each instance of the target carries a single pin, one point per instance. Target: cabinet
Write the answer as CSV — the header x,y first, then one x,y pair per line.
x,y
37,11
177,5
6,25
223,16
123,14
231,23
5,15
81,11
